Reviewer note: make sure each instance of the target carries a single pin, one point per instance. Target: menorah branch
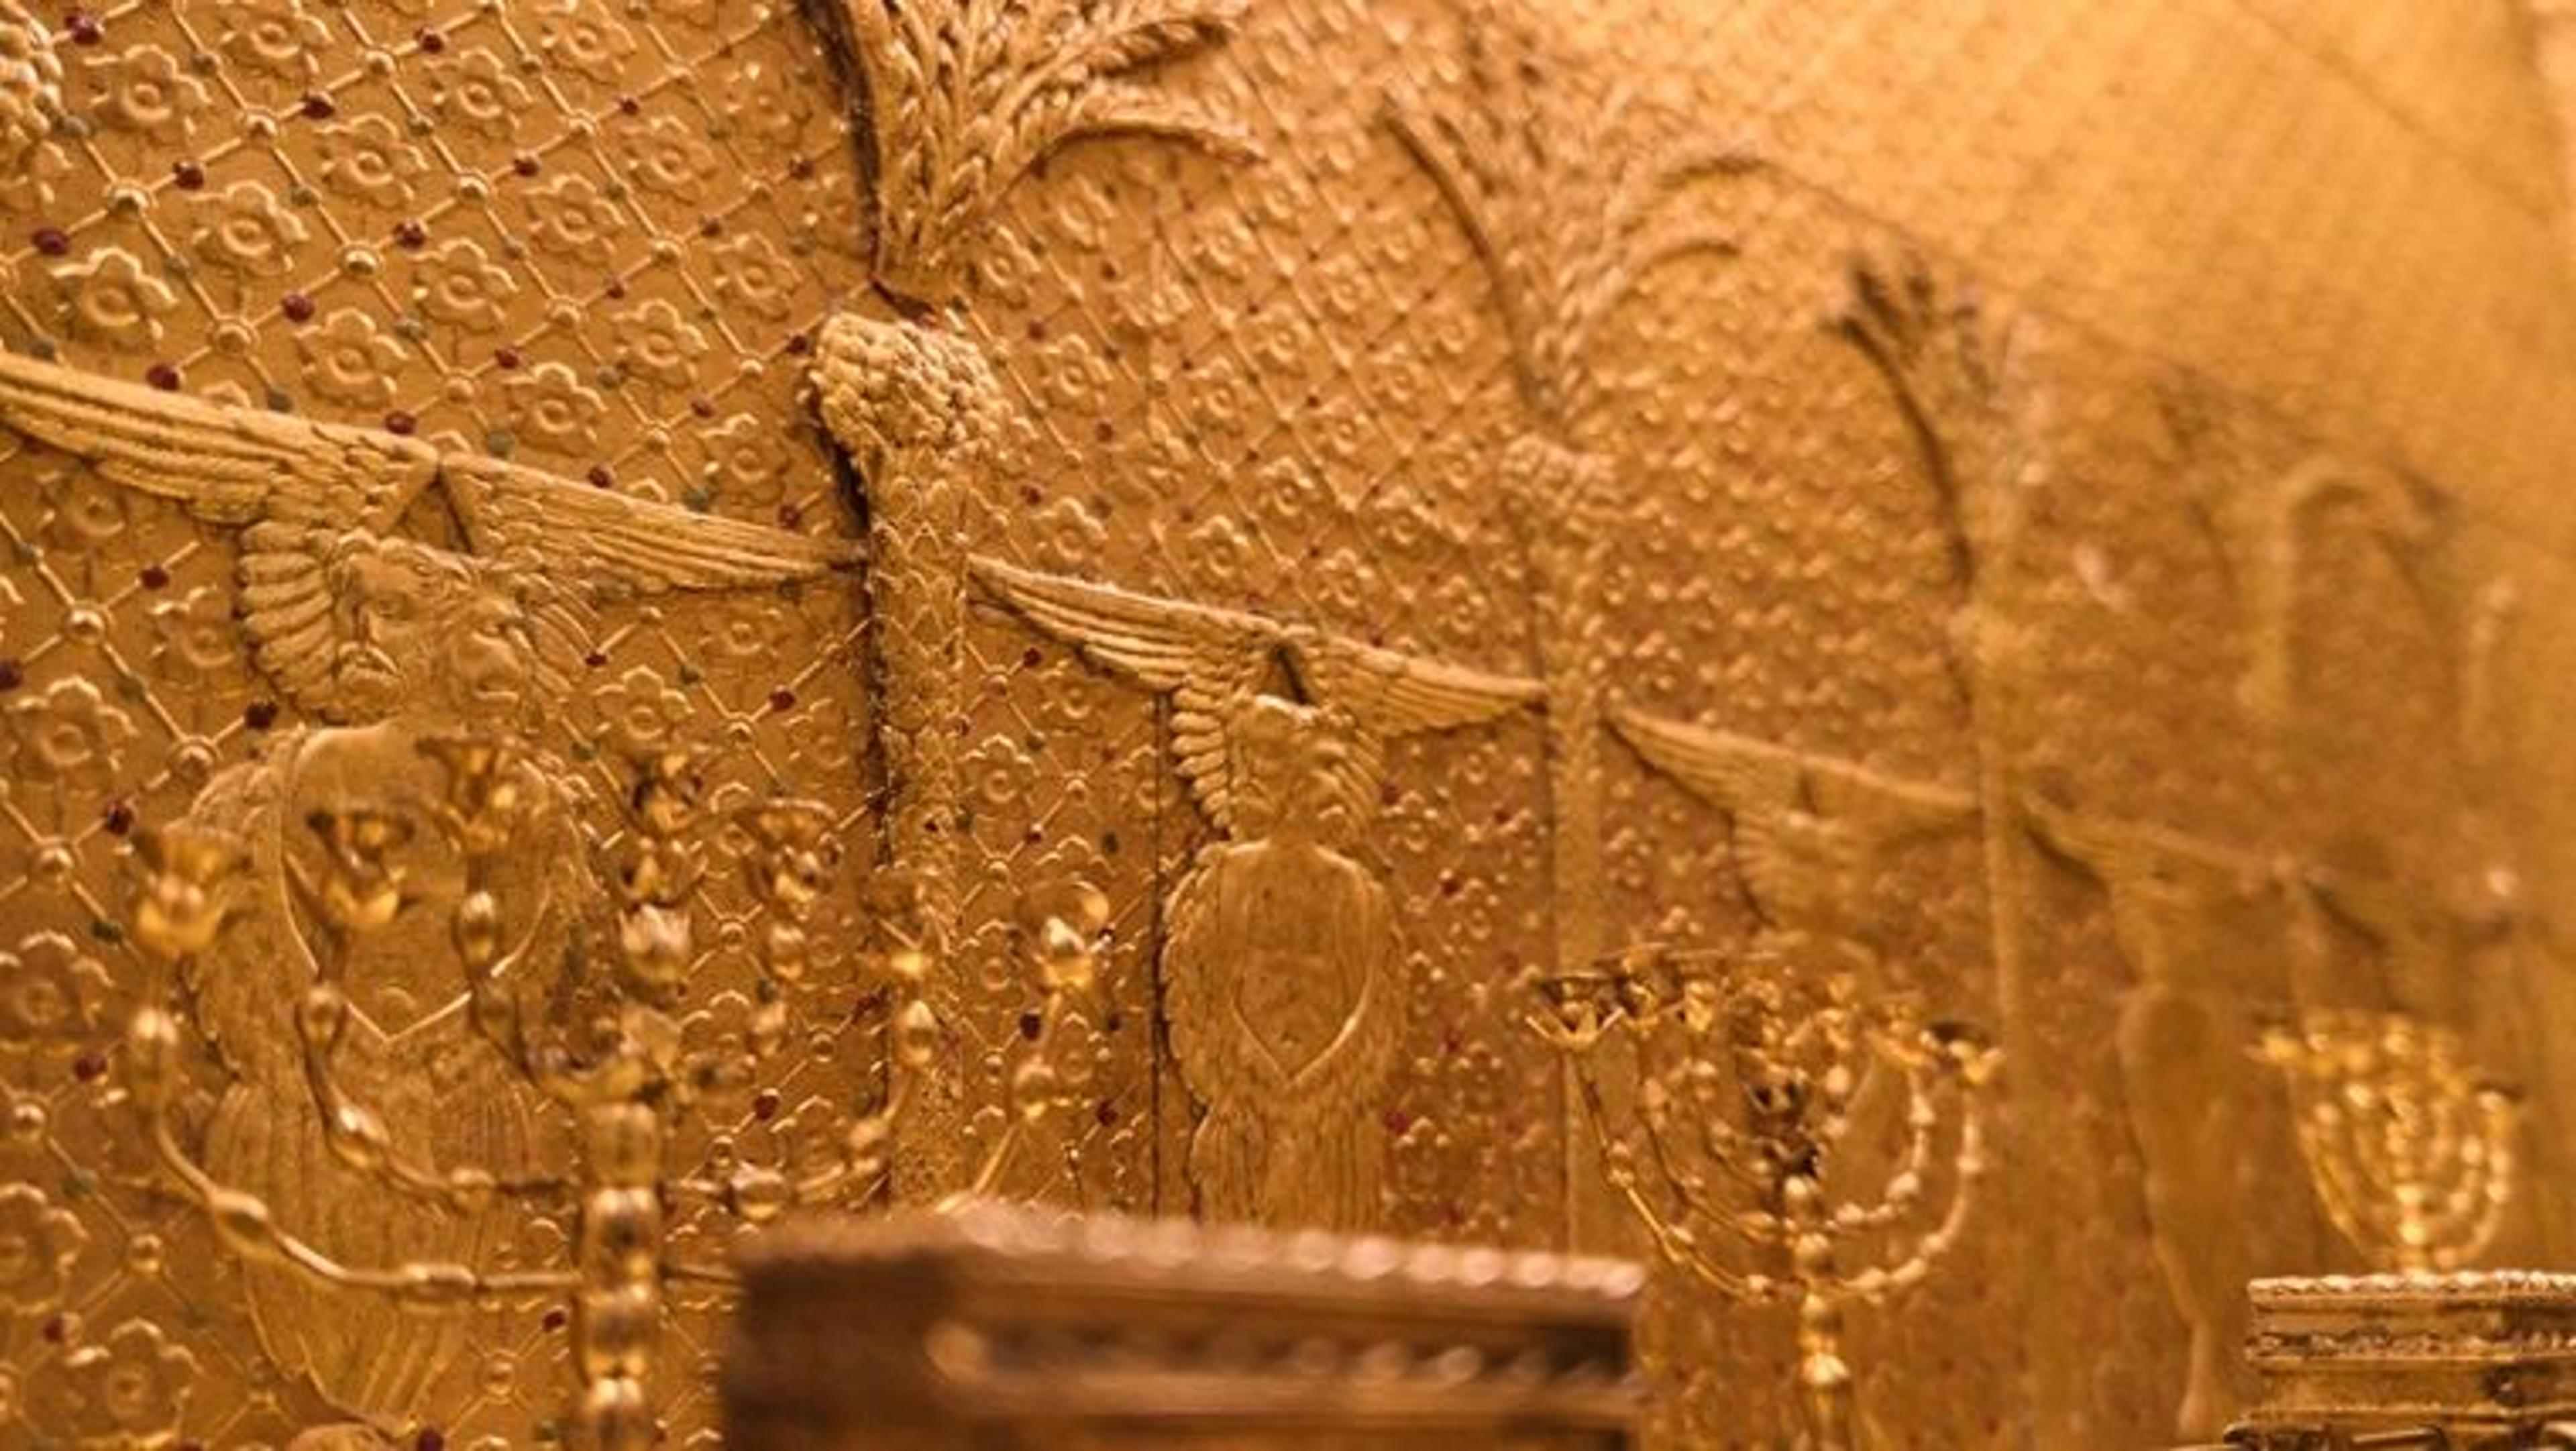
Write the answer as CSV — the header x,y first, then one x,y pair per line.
x,y
1768,1055
2412,1157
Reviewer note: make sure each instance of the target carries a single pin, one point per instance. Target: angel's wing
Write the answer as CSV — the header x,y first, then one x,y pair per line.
x,y
1211,661
298,484
2419,938
620,545
2124,853
1390,694
1736,774
1746,776
227,465
2166,889
1807,829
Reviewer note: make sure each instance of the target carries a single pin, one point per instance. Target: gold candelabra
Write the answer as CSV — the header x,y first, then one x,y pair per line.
x,y
1752,1070
2412,1154
596,1034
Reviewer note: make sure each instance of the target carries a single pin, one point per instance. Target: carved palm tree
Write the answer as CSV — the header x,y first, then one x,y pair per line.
x,y
960,100
1951,368
1946,364
1567,214
965,97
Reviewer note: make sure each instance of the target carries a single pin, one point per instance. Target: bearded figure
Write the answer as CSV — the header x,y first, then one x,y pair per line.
x,y
1284,997
1280,967
436,642
380,641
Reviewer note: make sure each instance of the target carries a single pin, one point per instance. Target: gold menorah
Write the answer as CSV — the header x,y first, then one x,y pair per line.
x,y
595,1034
1752,1070
2412,1154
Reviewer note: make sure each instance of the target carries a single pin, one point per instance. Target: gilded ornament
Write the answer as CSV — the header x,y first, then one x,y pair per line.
x,y
607,1050
38,1242
583,36
2413,1156
656,342
1810,833
458,283
109,298
969,96
1753,1073
1749,529
964,99
49,992
279,37
245,228
31,88
132,1388
316,494
194,636
146,89
751,273
2180,1044
1284,1020
664,155
642,710
349,360
1005,1327
2473,1359
551,408
747,461
2267,533
479,93
368,159
392,640
81,516
67,733
569,217
1567,212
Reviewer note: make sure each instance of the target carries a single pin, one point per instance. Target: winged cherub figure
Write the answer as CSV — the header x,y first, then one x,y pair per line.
x,y
1281,956
2185,1028
1809,832
383,639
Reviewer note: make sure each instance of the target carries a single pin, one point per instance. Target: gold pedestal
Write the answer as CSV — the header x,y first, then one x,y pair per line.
x,y
2470,1361
1000,1328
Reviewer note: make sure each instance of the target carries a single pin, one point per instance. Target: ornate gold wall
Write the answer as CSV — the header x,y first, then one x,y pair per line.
x,y
1451,395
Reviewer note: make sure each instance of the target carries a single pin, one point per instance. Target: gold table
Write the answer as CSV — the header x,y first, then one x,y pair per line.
x,y
998,1328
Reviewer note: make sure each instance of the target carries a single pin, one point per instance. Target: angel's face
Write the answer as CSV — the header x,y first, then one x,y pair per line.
x,y
491,658
1293,772
422,629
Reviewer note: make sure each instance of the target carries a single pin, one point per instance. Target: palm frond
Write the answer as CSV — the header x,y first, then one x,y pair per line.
x,y
967,96
1556,193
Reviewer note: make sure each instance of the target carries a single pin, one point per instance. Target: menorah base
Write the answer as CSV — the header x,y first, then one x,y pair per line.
x,y
2474,1361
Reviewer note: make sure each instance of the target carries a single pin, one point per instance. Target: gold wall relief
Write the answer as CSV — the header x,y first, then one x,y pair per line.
x,y
386,641
1284,950
2267,533
1958,388
378,372
1810,833
1505,354
2186,1026
1567,204
958,102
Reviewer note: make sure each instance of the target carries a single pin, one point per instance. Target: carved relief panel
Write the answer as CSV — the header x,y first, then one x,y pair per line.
x,y
1402,498
379,371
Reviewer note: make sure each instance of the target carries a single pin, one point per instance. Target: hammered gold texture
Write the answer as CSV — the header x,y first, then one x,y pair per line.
x,y
2261,643
593,239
